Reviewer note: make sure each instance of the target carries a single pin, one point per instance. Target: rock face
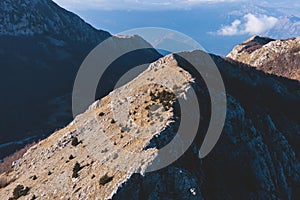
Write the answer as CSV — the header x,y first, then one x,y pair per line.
x,y
118,137
41,48
279,57
43,17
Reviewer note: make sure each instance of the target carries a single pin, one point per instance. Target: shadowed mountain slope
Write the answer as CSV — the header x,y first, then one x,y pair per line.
x,y
41,49
118,138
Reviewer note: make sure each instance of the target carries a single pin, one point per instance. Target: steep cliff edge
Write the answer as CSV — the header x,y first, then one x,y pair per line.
x,y
280,57
103,153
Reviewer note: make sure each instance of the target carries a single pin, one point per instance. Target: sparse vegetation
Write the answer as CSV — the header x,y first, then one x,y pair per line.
x,y
75,141
71,157
163,97
113,121
76,169
105,179
34,177
19,191
101,114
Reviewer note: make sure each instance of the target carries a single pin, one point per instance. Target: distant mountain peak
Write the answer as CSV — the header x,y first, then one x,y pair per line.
x,y
258,39
279,57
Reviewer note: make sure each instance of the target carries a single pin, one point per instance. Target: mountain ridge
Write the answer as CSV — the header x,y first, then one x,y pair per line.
x,y
257,155
280,57
105,152
41,49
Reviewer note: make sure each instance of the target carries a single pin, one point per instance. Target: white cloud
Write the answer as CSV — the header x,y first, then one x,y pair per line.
x,y
250,24
257,25
133,4
230,30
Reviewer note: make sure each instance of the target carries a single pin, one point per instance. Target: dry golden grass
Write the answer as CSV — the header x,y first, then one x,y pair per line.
x,y
6,165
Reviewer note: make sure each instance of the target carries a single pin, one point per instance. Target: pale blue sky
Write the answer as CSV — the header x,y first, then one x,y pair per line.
x,y
157,4
217,24
135,4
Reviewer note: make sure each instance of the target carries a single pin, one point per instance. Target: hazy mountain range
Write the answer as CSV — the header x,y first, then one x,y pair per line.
x,y
211,24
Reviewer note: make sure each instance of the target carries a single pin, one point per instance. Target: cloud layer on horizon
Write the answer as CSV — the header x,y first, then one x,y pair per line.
x,y
250,24
134,4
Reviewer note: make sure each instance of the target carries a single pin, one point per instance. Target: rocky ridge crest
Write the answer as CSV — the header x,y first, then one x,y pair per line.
x,y
256,157
279,57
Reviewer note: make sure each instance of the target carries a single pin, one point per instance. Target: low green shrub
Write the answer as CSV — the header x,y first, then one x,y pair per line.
x,y
76,169
105,179
75,141
19,191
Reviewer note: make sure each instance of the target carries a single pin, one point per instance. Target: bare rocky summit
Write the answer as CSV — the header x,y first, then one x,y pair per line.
x,y
279,57
104,152
102,148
